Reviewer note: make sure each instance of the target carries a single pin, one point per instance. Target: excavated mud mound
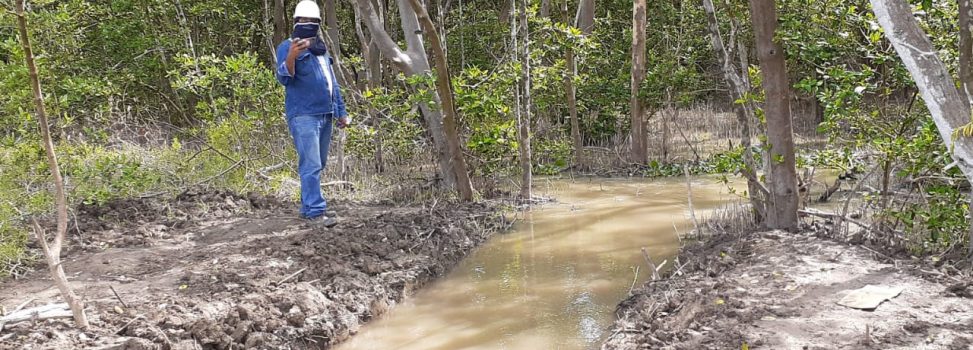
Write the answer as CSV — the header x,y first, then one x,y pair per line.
x,y
254,277
780,291
152,221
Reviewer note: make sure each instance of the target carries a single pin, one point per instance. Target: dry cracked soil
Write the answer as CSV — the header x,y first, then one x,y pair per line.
x,y
222,271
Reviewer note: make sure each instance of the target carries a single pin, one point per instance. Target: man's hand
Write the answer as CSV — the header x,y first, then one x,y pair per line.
x,y
343,122
297,47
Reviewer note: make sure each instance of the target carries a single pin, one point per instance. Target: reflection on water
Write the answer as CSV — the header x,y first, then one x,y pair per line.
x,y
554,282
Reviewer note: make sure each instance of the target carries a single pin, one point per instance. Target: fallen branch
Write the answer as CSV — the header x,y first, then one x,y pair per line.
x,y
19,307
288,278
338,183
830,191
118,297
648,259
630,289
38,313
129,323
827,215
262,172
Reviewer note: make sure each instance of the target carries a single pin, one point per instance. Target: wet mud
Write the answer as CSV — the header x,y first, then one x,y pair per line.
x,y
778,290
222,271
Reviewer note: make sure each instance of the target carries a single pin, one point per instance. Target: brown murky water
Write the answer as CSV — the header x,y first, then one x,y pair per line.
x,y
554,282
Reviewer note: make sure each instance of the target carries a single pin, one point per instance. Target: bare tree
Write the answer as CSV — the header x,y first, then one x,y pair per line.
x,y
281,29
638,75
738,88
412,61
524,112
334,44
331,18
585,21
783,201
966,48
443,85
545,10
373,72
52,250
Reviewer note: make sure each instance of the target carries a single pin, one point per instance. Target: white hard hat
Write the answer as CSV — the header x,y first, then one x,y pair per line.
x,y
307,9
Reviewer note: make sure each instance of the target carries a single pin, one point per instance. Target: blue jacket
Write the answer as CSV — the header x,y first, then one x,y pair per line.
x,y
308,91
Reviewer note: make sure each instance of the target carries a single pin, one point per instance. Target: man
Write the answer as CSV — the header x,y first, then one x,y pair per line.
x,y
313,104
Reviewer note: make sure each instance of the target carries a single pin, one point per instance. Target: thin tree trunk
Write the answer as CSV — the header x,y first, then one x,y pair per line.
x,y
52,251
638,154
373,71
443,85
570,71
585,19
505,9
966,49
334,44
665,116
545,10
281,29
411,62
969,232
738,88
331,16
783,203
523,120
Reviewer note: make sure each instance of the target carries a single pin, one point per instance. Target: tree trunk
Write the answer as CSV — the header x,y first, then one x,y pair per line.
x,y
571,92
585,19
523,119
966,49
570,71
545,10
738,89
666,133
281,29
331,16
443,85
52,251
412,62
638,154
505,8
373,72
783,203
334,44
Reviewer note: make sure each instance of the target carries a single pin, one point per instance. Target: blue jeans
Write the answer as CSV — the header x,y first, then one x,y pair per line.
x,y
312,139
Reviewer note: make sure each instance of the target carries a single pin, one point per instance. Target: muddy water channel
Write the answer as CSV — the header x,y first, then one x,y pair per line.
x,y
554,282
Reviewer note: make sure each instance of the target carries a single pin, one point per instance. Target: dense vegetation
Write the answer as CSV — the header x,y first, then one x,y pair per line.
x,y
153,97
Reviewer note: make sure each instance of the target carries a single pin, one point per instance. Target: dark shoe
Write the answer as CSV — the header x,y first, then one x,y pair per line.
x,y
329,213
322,221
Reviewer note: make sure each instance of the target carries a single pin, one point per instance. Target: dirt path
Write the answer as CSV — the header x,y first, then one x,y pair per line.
x,y
780,291
221,271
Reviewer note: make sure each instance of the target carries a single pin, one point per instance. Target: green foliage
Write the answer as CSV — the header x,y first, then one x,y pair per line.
x,y
940,219
395,123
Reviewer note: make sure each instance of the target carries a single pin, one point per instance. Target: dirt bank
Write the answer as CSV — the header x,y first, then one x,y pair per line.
x,y
780,291
220,271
